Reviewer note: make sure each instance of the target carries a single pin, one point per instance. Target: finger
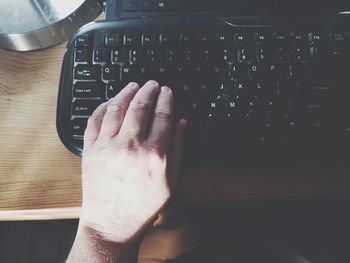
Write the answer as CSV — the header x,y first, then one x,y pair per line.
x,y
93,126
116,110
175,154
136,119
162,121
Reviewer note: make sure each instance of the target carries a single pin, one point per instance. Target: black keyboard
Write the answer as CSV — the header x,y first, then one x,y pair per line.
x,y
250,93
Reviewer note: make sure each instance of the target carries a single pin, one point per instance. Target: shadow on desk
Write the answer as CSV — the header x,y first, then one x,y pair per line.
x,y
317,230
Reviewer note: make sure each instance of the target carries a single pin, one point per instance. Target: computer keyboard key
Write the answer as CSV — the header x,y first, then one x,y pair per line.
x,y
246,54
262,38
314,110
243,38
136,56
177,5
337,38
280,38
226,55
130,5
205,55
99,56
188,55
110,73
83,90
247,90
161,73
131,73
112,89
300,72
225,89
282,71
86,73
118,56
152,56
132,40
321,73
201,72
328,92
82,41
219,71
78,126
316,39
162,5
281,54
299,38
84,107
112,40
146,5
149,40
300,53
99,40
224,39
263,54
218,108
254,71
239,71
259,71
185,39
170,55
167,39
81,56
205,39
196,110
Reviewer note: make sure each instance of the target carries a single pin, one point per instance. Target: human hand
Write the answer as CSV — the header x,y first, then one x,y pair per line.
x,y
131,159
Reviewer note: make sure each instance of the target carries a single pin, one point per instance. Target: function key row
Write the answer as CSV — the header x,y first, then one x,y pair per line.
x,y
151,39
152,5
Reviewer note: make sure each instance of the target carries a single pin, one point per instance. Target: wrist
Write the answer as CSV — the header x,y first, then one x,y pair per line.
x,y
114,228
90,246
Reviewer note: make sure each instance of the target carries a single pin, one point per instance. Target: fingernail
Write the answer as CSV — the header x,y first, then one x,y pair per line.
x,y
131,85
152,83
165,89
183,124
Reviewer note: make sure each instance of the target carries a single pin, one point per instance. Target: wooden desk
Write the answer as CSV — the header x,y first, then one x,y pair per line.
x,y
40,179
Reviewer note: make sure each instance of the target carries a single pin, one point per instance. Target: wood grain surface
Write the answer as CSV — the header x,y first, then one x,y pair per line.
x,y
37,173
36,169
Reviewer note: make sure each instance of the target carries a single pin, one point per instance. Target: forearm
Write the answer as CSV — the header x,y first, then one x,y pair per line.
x,y
90,247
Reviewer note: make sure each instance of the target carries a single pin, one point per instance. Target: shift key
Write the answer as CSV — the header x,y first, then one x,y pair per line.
x,y
84,107
86,73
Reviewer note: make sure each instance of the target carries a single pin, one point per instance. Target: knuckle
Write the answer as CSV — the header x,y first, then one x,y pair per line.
x,y
97,112
140,106
93,118
162,114
130,145
115,106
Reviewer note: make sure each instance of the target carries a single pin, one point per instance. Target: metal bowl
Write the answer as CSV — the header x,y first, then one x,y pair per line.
x,y
35,24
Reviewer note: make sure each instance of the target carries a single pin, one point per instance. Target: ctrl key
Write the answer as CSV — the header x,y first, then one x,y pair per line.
x,y
78,126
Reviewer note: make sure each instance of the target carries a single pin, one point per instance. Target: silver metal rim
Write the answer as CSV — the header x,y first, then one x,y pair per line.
x,y
54,34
